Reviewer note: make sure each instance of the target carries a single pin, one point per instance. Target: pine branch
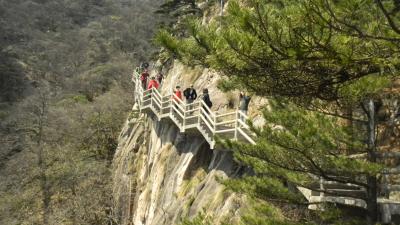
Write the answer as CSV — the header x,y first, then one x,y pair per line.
x,y
388,18
359,33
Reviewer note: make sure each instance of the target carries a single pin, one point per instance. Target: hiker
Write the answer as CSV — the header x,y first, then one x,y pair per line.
x,y
244,101
160,77
143,78
153,84
178,93
190,95
206,99
177,96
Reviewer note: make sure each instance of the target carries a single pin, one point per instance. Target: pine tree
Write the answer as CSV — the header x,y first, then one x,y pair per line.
x,y
318,60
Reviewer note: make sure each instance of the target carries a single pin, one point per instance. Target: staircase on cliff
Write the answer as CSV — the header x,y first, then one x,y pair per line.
x,y
196,117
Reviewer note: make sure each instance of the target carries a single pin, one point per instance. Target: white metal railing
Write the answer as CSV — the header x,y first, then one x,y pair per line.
x,y
196,115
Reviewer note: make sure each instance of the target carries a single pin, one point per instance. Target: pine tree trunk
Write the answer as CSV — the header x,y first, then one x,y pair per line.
x,y
350,125
372,205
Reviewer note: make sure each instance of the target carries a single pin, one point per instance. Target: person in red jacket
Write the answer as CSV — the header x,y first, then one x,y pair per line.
x,y
143,78
178,93
177,96
153,84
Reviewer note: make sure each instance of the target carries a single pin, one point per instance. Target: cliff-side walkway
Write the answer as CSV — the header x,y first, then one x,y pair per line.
x,y
196,117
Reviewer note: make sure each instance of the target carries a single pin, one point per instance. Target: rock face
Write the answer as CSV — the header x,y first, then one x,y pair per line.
x,y
162,176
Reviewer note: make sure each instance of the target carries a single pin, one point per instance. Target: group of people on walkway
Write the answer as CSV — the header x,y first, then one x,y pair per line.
x,y
155,81
189,93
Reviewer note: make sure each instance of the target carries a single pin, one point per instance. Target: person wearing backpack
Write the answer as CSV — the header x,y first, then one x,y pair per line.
x,y
190,95
244,101
207,100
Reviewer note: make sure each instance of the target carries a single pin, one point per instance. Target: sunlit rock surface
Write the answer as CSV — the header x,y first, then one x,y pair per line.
x,y
162,176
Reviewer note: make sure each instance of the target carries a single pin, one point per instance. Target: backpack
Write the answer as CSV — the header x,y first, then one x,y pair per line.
x,y
209,103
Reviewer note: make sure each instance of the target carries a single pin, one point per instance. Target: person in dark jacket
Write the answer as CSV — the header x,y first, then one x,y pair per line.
x,y
206,99
244,101
190,95
144,65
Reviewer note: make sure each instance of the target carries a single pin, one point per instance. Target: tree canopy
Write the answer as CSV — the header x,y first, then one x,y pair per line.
x,y
324,65
294,48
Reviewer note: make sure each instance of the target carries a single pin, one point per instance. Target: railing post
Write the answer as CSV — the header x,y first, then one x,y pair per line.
x,y
215,122
236,125
321,186
155,102
171,106
184,117
151,99
199,115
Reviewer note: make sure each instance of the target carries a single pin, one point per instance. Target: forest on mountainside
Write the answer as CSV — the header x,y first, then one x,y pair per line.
x,y
65,92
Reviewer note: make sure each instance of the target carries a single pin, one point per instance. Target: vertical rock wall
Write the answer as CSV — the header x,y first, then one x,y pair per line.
x,y
162,176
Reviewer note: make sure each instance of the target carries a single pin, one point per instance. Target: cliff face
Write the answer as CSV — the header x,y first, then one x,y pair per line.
x,y
162,175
